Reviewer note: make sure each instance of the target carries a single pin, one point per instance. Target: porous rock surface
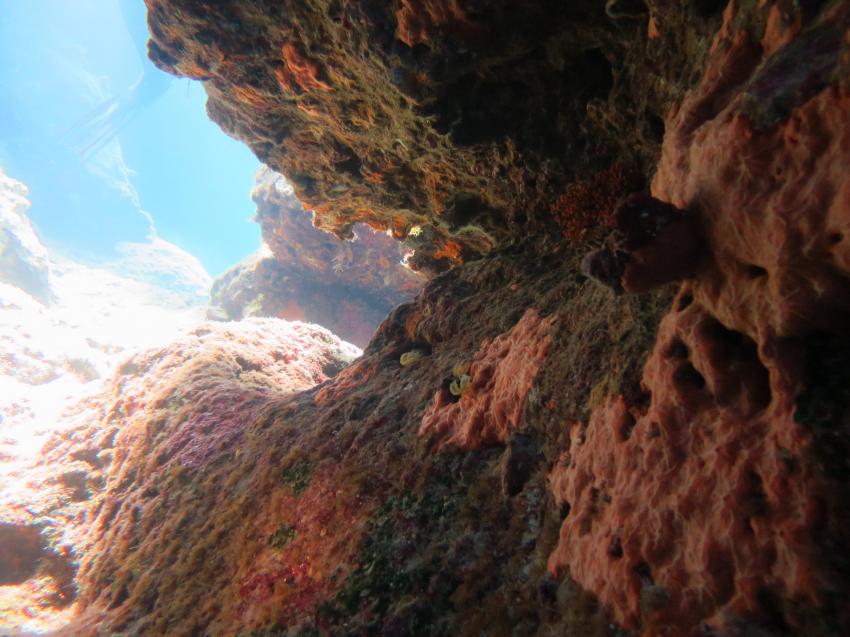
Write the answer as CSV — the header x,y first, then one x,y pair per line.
x,y
310,275
721,494
230,512
670,463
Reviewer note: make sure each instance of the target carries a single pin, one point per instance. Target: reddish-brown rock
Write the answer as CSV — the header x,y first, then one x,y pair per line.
x,y
719,501
310,275
454,124
115,477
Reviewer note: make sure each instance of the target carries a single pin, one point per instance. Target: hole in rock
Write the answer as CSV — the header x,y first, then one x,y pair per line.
x,y
548,590
620,9
350,165
479,112
735,345
626,426
466,209
677,349
21,549
755,271
122,596
446,392
770,607
684,301
687,376
564,511
738,353
656,127
755,499
616,548
835,238
597,73
644,573
707,8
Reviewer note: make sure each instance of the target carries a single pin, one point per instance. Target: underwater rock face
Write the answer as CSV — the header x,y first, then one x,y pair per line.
x,y
310,275
454,124
720,500
23,258
666,463
230,507
119,472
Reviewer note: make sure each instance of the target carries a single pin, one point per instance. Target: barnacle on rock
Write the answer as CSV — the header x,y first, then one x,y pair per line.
x,y
408,358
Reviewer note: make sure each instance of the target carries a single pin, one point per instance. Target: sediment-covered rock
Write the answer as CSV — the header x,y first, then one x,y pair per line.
x,y
455,125
229,509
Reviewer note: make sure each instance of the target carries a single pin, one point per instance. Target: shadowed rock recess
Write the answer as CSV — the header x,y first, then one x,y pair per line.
x,y
521,450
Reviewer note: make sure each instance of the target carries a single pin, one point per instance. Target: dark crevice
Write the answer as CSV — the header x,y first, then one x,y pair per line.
x,y
687,375
677,350
707,8
684,301
756,271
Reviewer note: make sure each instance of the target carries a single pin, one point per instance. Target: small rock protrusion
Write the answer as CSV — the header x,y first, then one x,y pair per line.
x,y
652,243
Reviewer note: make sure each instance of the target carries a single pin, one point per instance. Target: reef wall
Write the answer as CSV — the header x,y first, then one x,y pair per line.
x,y
455,125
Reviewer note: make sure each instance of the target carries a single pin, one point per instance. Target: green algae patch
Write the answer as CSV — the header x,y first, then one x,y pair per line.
x,y
282,536
390,578
298,476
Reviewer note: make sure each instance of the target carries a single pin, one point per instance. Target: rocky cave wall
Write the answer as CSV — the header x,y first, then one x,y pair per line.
x,y
520,450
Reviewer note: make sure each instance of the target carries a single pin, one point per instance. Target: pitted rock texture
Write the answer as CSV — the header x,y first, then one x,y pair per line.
x,y
492,398
309,275
719,500
326,511
454,124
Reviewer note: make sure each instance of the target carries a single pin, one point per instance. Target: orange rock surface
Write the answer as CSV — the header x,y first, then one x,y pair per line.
x,y
712,502
501,376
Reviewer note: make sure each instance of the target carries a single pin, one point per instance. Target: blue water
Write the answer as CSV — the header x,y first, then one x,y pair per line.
x,y
168,171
